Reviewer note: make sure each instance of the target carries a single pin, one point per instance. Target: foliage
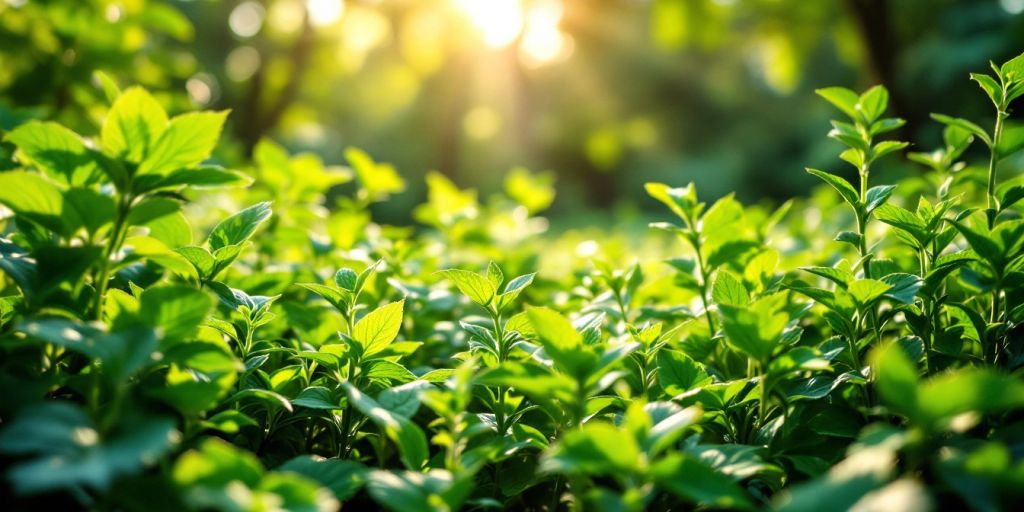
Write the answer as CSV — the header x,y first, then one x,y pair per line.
x,y
247,348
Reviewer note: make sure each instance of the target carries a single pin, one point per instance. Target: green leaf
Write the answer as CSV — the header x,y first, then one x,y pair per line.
x,y
690,478
1011,140
561,342
495,275
57,151
346,279
378,329
70,453
990,86
94,209
478,288
271,399
343,477
133,126
904,287
597,449
378,180
316,397
34,198
885,147
215,464
517,285
682,201
236,229
188,140
336,298
977,390
411,442
728,289
202,375
895,378
873,103
404,400
849,194
983,244
177,310
867,291
843,486
199,258
204,177
1013,69
976,130
755,329
842,98
121,353
678,373
404,491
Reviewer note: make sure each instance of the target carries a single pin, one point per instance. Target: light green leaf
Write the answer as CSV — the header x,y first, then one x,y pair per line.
x,y
873,102
849,194
236,229
132,127
678,373
378,329
188,140
478,288
35,198
728,289
842,98
57,151
597,449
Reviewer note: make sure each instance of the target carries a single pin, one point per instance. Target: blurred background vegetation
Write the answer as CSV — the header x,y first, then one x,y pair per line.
x,y
602,94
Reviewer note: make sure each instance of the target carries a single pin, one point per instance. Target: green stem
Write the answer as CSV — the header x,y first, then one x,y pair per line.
x,y
762,405
114,242
705,301
993,162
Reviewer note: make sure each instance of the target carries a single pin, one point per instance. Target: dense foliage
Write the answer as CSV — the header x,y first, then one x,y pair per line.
x,y
861,350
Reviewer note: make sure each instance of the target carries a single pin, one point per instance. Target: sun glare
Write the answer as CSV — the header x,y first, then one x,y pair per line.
x,y
499,21
543,42
324,12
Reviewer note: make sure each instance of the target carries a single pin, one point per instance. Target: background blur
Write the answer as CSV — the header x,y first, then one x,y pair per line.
x,y
604,94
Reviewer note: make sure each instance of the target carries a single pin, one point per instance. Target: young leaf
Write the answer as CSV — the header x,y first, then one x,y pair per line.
x,y
237,228
132,127
842,98
478,288
844,188
346,279
964,124
188,140
728,289
378,329
873,102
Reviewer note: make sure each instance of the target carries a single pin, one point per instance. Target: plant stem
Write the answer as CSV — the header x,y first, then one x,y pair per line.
x,y
993,162
705,301
762,404
499,334
114,242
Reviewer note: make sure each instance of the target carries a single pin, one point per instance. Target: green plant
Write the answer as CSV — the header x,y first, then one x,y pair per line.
x,y
309,357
